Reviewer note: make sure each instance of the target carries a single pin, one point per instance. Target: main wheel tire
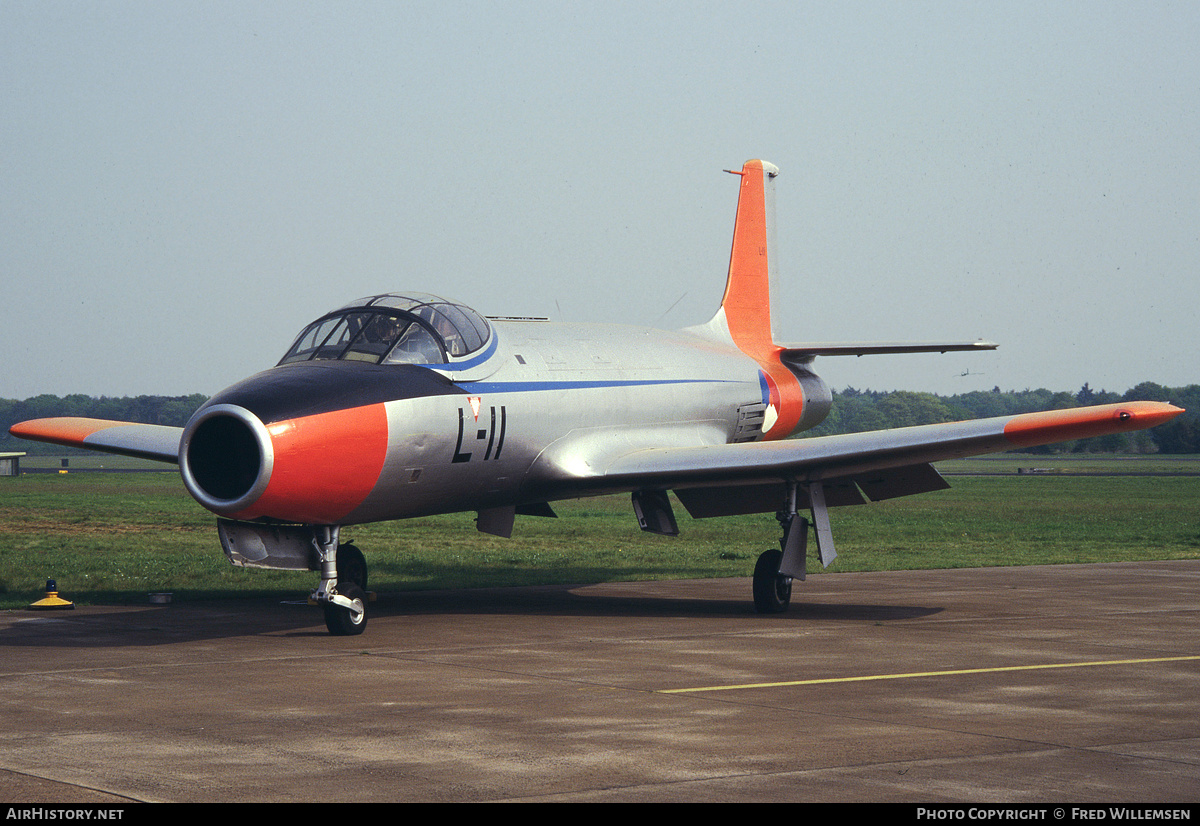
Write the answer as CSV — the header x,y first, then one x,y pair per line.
x,y
772,592
351,565
342,622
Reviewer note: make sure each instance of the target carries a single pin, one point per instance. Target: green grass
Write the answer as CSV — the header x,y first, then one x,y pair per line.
x,y
1074,463
114,538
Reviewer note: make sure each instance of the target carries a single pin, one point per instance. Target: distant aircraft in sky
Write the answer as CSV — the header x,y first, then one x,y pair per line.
x,y
402,405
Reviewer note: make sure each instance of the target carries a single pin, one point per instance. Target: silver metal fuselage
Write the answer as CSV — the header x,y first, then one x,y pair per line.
x,y
535,416
567,396
552,403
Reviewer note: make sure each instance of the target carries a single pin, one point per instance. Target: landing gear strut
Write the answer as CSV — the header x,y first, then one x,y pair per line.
x,y
342,591
775,570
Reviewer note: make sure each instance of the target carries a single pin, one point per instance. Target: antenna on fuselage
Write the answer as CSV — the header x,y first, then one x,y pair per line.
x,y
672,307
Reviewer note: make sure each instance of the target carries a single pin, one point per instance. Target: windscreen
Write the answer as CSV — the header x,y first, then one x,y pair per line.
x,y
393,329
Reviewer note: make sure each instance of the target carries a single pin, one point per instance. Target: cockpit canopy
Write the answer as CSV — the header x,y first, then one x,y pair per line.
x,y
393,329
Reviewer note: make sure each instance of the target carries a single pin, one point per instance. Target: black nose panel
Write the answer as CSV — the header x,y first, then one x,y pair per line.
x,y
306,388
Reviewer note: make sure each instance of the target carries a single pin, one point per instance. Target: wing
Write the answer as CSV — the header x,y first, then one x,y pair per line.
x,y
146,441
720,480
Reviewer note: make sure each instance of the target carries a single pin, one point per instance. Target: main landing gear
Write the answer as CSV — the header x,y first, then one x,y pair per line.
x,y
342,592
772,590
775,569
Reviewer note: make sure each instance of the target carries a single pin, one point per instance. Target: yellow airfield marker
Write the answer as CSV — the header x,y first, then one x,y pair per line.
x,y
52,601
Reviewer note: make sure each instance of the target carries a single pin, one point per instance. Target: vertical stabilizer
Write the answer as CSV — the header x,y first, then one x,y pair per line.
x,y
744,318
745,312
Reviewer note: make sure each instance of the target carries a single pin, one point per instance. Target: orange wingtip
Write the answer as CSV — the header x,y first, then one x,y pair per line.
x,y
63,430
1029,429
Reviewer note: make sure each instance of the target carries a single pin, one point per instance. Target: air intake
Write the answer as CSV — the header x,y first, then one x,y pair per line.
x,y
225,458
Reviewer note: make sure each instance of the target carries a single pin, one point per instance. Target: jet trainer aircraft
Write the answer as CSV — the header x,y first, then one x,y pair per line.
x,y
402,405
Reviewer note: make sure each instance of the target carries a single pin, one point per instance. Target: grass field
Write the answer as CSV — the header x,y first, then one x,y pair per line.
x,y
116,537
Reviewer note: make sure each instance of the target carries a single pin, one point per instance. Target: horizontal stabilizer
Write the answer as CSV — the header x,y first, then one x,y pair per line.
x,y
800,352
145,441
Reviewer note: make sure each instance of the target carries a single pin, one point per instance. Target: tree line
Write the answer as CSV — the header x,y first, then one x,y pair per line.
x,y
853,411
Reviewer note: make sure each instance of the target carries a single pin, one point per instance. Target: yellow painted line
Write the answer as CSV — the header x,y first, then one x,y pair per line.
x,y
923,674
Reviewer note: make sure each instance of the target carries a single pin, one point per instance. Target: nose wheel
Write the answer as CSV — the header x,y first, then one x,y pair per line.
x,y
346,620
342,592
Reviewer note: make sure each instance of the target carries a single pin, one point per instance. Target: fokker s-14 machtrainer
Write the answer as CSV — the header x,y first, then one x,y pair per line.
x,y
402,405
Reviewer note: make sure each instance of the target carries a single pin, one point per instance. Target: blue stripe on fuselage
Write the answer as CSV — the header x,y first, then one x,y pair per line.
x,y
534,386
456,366
478,387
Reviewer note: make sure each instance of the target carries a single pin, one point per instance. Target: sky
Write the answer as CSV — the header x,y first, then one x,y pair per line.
x,y
186,185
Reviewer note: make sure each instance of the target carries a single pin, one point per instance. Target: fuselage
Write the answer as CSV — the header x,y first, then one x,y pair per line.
x,y
343,441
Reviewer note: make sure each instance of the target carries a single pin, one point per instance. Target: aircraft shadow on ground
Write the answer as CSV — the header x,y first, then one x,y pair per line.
x,y
286,613
584,600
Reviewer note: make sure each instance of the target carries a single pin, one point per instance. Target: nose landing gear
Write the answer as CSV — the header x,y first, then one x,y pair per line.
x,y
346,611
342,591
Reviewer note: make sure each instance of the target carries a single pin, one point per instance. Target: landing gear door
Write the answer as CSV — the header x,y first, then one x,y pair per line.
x,y
282,547
820,514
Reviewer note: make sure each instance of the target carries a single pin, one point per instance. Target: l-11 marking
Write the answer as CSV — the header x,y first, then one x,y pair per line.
x,y
365,419
494,437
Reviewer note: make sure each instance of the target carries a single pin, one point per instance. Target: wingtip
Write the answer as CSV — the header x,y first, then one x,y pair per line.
x,y
1153,413
61,430
1167,411
1048,427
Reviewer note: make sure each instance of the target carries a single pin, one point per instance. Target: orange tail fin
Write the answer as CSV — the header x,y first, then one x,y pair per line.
x,y
745,314
746,306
